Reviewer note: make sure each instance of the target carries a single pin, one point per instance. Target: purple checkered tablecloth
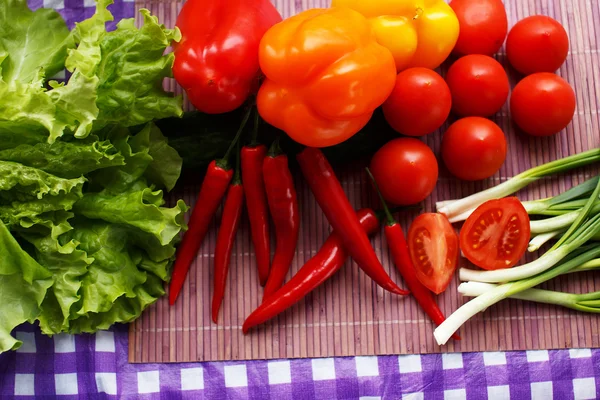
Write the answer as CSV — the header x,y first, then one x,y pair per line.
x,y
95,366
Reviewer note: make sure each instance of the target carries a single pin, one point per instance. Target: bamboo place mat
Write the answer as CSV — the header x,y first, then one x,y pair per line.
x,y
349,315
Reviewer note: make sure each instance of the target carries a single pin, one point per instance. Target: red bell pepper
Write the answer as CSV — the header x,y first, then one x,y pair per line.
x,y
216,61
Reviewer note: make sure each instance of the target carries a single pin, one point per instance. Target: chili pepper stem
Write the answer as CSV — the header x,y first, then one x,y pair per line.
x,y
275,148
254,137
224,162
390,219
237,180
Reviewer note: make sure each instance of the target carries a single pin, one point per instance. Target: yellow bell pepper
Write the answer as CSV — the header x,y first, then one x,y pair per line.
x,y
419,33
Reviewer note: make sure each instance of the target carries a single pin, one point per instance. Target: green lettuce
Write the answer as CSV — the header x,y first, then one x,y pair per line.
x,y
87,238
67,159
31,41
23,286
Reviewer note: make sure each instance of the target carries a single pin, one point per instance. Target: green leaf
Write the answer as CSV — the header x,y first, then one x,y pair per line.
x,y
124,309
23,286
26,193
165,168
141,209
70,159
88,35
113,273
131,72
31,41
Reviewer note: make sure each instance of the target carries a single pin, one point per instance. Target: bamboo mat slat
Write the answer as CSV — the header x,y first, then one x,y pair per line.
x,y
349,315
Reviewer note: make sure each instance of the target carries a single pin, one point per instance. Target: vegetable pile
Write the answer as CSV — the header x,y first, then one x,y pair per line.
x,y
86,238
83,221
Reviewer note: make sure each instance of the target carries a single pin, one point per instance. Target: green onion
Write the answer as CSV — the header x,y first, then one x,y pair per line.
x,y
541,239
566,255
588,302
455,208
500,292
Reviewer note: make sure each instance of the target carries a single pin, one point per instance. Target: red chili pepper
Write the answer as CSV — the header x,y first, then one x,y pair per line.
x,y
214,187
232,212
339,212
253,156
399,248
330,258
283,204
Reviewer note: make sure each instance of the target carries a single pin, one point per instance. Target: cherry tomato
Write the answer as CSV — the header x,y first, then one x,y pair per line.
x,y
483,26
537,44
479,86
496,235
406,171
542,104
419,103
433,248
473,148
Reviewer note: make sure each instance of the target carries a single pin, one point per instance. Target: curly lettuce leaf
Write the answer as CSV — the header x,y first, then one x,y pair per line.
x,y
130,65
141,209
31,41
70,159
165,168
26,193
23,286
68,265
113,273
88,35
131,72
124,309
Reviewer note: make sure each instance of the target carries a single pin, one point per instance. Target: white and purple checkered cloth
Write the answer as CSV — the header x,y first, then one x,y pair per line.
x,y
95,366
86,366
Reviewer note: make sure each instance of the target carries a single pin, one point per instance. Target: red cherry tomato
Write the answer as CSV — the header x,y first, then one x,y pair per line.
x,y
433,248
479,86
496,235
537,44
473,148
406,171
483,26
542,104
419,103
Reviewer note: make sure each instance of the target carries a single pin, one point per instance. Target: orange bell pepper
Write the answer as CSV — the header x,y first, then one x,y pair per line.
x,y
419,33
325,74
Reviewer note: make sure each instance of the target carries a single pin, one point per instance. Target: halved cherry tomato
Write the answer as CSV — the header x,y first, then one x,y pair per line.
x,y
433,248
496,235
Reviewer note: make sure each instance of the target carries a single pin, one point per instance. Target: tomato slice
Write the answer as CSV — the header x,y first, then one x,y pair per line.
x,y
496,235
433,248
